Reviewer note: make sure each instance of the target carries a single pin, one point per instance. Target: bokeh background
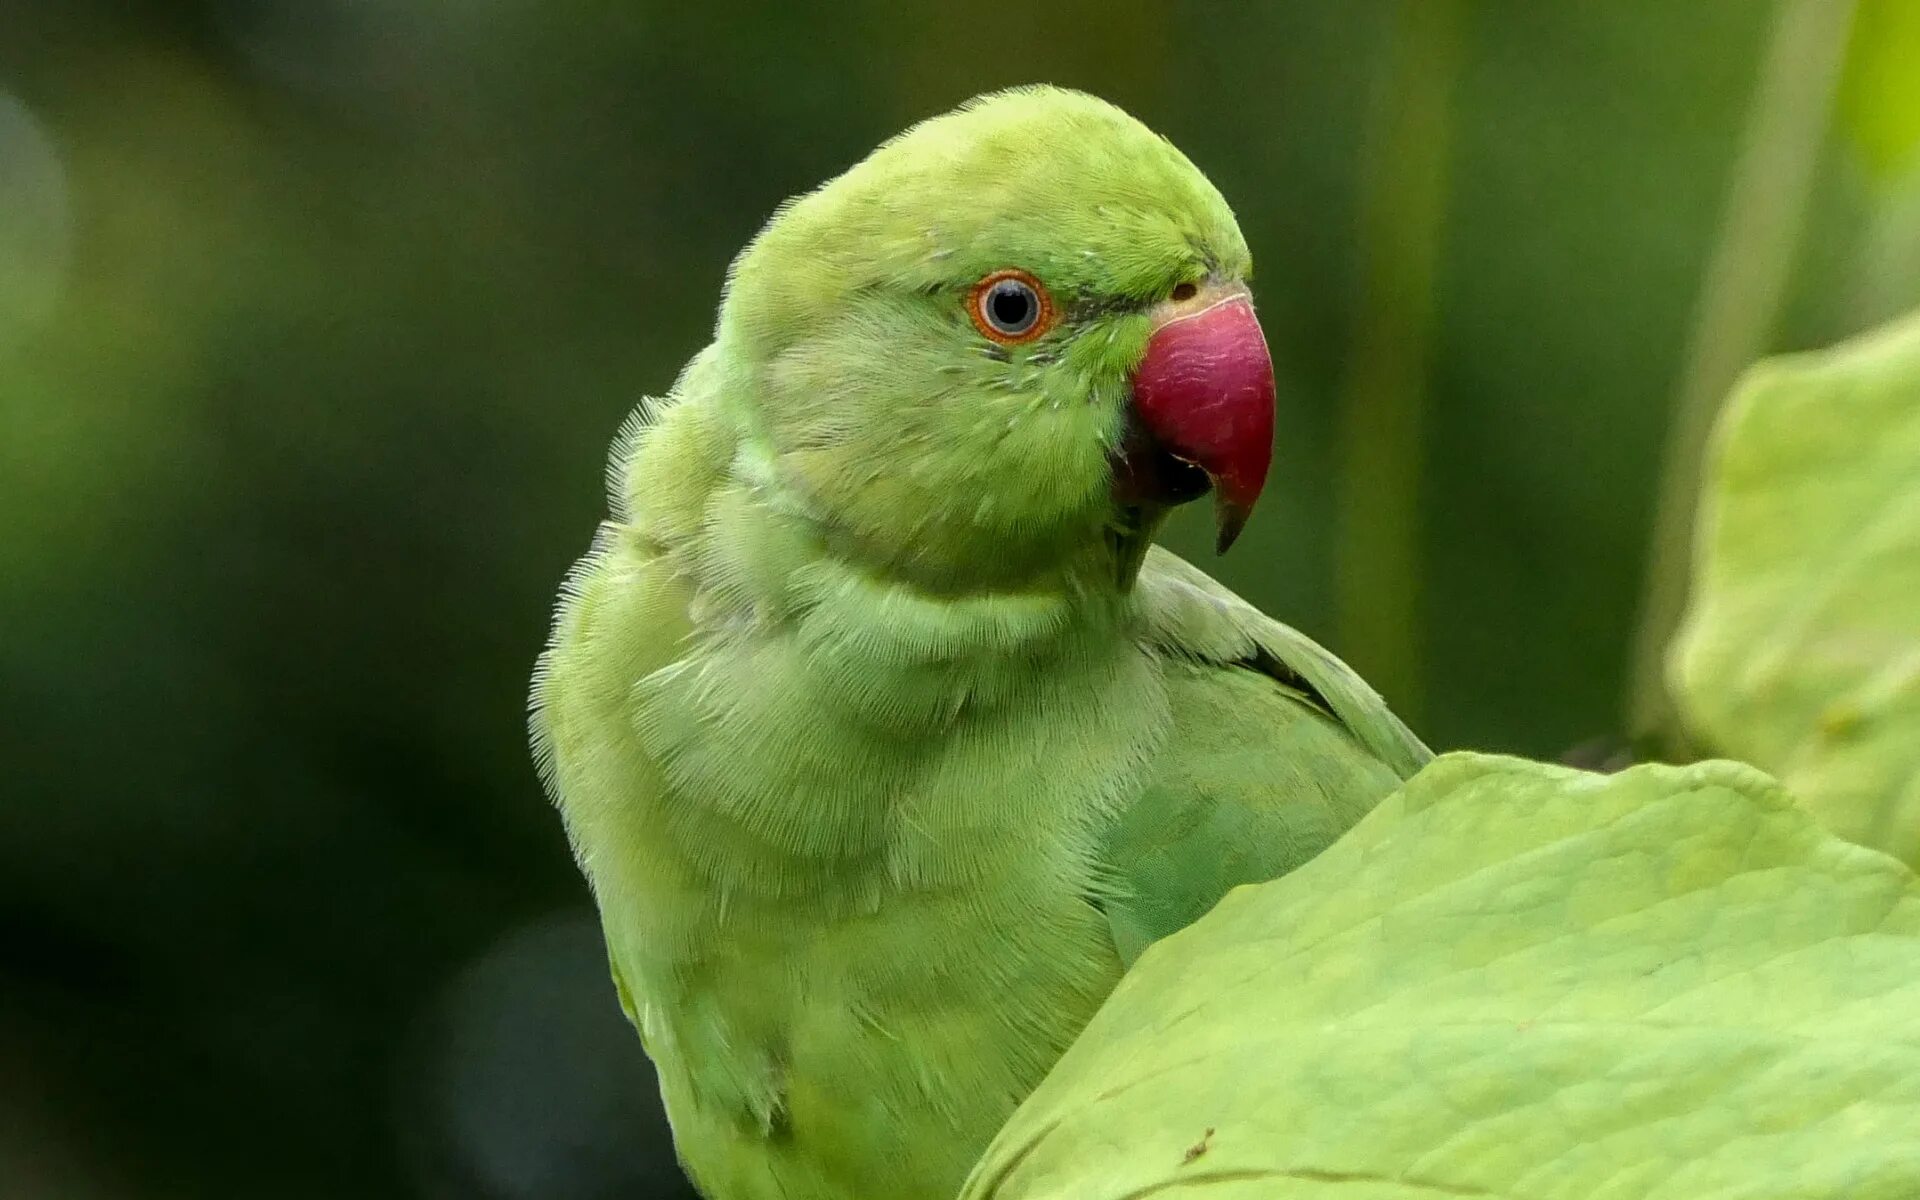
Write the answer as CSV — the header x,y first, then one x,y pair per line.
x,y
316,317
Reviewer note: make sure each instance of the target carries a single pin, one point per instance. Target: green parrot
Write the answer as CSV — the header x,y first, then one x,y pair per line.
x,y
882,734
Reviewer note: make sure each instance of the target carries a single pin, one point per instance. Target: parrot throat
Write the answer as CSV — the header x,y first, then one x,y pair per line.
x,y
898,737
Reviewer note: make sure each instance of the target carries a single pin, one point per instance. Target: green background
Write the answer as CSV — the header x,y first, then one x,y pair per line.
x,y
316,317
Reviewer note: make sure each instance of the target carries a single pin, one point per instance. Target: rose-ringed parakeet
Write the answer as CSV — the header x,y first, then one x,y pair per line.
x,y
882,734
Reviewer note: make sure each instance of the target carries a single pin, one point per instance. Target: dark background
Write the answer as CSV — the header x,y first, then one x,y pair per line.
x,y
316,317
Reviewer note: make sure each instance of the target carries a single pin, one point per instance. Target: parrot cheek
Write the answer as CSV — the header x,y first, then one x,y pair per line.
x,y
1202,413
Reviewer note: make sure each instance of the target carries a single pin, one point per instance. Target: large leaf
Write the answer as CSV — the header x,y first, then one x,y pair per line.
x,y
1514,980
1802,649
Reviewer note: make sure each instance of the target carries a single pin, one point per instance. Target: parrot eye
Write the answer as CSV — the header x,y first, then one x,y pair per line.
x,y
1011,306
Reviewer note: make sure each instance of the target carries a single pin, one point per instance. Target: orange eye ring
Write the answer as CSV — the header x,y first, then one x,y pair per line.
x,y
1010,307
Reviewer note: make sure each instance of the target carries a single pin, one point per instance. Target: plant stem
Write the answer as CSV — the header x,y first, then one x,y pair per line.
x,y
1740,299
1403,193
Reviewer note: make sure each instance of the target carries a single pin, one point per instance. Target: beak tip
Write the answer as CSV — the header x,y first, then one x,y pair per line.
x,y
1230,519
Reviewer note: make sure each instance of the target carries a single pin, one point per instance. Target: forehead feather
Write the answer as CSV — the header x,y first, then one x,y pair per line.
x,y
1057,182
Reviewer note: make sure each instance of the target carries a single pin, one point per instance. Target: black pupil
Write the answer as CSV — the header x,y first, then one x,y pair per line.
x,y
1011,307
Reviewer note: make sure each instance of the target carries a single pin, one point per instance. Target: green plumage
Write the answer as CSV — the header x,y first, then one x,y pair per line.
x,y
879,755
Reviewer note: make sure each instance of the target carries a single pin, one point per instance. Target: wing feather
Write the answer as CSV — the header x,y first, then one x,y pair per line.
x,y
1278,747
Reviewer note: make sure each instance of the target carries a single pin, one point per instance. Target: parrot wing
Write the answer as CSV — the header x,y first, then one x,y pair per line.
x,y
1277,748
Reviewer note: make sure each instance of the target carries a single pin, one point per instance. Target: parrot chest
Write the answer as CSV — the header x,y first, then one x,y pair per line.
x,y
873,922
877,1055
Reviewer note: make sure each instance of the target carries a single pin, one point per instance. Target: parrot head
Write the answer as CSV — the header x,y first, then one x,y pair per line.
x,y
1013,334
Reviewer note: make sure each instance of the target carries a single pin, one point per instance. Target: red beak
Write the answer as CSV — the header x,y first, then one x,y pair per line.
x,y
1202,398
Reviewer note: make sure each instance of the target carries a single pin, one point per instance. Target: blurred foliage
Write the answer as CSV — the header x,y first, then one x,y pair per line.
x,y
1742,291
1513,979
316,317
1801,653
1880,101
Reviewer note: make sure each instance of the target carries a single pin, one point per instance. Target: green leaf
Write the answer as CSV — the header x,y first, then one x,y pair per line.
x,y
1513,979
1802,649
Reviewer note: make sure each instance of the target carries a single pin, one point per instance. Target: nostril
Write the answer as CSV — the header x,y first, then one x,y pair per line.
x,y
1185,291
